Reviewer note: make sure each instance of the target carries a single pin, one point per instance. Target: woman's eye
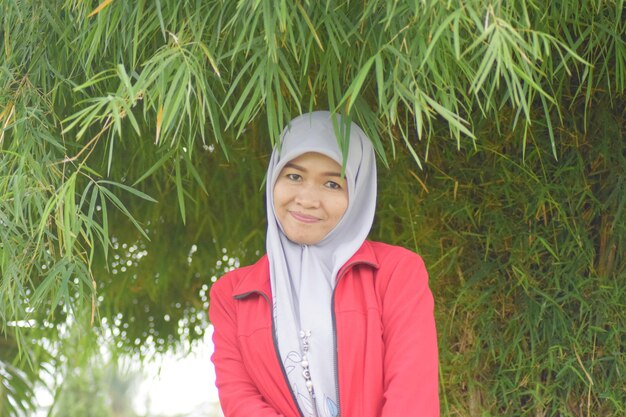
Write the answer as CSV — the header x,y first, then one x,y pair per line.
x,y
293,177
333,185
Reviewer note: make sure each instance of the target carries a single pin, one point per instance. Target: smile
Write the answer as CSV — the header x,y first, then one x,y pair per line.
x,y
303,217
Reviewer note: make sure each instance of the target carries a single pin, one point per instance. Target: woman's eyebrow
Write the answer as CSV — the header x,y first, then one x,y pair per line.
x,y
303,169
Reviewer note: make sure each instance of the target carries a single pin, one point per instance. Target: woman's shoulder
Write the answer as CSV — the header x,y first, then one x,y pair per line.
x,y
399,269
386,252
242,275
393,259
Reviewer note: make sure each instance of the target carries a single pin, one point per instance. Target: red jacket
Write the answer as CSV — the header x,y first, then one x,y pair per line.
x,y
385,333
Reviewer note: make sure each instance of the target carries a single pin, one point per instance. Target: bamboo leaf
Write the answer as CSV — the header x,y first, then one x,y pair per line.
x,y
179,189
100,7
354,89
159,121
168,155
308,22
194,172
118,203
131,190
210,58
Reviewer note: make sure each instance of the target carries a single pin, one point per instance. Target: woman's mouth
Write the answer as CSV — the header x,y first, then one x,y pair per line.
x,y
304,218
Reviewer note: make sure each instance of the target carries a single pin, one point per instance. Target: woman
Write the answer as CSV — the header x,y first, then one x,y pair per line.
x,y
327,323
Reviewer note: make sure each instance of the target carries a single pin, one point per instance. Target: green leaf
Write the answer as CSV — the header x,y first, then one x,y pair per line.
x,y
131,190
179,188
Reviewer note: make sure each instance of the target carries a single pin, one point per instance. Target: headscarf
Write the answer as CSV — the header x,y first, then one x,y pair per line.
x,y
303,277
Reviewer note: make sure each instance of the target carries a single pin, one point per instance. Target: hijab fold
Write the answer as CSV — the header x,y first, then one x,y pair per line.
x,y
303,277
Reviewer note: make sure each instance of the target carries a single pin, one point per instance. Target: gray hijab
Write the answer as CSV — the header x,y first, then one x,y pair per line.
x,y
303,277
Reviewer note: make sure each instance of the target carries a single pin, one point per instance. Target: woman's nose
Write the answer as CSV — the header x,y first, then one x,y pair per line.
x,y
307,197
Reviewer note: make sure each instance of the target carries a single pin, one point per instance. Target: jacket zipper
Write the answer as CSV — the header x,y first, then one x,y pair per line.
x,y
334,317
275,342
334,320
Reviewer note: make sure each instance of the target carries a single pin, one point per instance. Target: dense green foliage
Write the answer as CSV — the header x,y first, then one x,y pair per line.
x,y
134,138
527,266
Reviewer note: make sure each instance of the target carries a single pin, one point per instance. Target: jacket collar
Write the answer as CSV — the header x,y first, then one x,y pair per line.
x,y
256,278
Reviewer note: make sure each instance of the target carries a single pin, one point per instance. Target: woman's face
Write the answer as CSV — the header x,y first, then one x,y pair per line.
x,y
310,197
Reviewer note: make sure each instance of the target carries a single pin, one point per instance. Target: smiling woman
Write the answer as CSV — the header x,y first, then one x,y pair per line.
x,y
310,197
328,323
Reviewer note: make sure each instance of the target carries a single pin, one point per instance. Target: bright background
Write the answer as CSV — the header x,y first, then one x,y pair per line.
x,y
175,385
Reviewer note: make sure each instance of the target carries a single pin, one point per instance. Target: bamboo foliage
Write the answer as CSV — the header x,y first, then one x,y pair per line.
x,y
119,119
426,59
529,316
